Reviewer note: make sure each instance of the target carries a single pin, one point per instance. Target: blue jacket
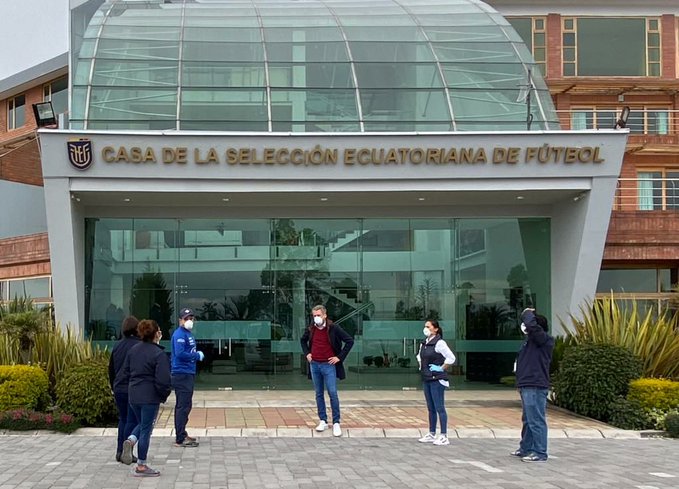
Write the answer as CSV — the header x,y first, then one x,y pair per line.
x,y
535,355
117,360
184,354
147,373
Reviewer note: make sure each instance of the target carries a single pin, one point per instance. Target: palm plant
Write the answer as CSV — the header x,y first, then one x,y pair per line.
x,y
652,336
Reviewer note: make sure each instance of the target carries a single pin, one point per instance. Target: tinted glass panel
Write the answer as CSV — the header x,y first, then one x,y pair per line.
x,y
600,42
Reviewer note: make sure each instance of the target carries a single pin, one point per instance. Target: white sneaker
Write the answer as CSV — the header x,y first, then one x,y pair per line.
x,y
336,430
322,426
442,440
428,438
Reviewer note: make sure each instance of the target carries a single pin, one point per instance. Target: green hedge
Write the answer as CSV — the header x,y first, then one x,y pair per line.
x,y
84,391
660,394
592,377
23,386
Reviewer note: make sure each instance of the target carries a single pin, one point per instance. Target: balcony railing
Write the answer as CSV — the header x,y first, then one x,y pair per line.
x,y
651,121
652,193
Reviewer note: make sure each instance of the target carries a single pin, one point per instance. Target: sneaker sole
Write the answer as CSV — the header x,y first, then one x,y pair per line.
x,y
534,461
126,457
143,474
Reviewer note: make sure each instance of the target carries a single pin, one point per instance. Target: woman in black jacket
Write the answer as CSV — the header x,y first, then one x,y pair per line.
x,y
147,371
126,418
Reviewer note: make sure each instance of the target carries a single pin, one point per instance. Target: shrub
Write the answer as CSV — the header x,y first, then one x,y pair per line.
x,y
509,380
84,391
660,394
591,377
560,345
628,414
653,336
23,386
672,424
56,350
24,419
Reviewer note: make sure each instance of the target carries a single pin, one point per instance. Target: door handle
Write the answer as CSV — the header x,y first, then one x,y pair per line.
x,y
404,346
414,346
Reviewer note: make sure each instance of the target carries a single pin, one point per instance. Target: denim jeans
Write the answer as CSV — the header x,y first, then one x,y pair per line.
x,y
183,391
534,429
434,395
146,414
324,375
126,418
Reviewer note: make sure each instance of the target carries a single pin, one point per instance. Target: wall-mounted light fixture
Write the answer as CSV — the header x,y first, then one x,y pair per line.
x,y
44,115
624,115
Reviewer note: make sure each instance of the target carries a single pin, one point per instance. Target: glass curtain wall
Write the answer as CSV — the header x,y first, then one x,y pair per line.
x,y
253,283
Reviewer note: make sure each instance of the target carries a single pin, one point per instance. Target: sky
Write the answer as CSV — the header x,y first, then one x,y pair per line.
x,y
31,31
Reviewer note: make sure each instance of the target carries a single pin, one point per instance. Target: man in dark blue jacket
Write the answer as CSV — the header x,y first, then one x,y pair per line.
x,y
184,358
532,379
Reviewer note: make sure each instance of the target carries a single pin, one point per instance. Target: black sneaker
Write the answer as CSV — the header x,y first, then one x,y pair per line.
x,y
145,472
518,453
187,443
533,457
126,457
118,456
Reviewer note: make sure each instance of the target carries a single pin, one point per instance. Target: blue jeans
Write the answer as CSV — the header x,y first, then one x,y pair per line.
x,y
146,414
324,375
126,419
534,429
183,391
434,395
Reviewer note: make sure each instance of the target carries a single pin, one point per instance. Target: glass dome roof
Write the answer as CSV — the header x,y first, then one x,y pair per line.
x,y
305,66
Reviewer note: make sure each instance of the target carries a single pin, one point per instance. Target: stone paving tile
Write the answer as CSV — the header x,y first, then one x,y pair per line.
x,y
348,463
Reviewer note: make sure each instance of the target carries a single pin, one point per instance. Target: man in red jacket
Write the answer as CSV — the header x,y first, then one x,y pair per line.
x,y
326,346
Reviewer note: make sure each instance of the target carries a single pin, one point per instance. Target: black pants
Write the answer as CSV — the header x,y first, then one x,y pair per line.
x,y
183,391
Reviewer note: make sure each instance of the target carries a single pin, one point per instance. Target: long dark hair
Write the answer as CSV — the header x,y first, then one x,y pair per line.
x,y
436,324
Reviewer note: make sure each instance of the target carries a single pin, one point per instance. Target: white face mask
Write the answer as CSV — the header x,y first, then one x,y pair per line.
x,y
523,329
426,332
188,324
318,321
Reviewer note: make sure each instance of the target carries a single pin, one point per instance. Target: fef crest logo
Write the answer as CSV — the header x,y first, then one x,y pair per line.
x,y
80,153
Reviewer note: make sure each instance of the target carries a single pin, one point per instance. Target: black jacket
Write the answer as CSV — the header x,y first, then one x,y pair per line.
x,y
117,360
535,356
147,372
337,336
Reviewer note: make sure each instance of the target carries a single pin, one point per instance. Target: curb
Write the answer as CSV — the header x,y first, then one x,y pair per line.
x,y
366,432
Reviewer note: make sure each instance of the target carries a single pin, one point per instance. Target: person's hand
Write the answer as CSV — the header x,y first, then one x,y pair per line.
x,y
201,355
333,360
308,357
435,368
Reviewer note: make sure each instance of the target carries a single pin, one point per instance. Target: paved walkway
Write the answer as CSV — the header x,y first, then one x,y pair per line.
x,y
471,414
53,461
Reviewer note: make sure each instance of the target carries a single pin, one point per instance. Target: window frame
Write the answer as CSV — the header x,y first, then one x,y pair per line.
x,y
663,172
646,109
541,64
47,92
648,32
12,111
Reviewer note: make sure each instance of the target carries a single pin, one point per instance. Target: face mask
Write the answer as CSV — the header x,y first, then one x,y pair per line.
x,y
188,324
523,329
426,332
318,321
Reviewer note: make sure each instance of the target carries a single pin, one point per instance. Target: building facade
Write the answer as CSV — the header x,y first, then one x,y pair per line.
x,y
253,253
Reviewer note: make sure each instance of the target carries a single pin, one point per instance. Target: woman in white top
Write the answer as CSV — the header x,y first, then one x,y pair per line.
x,y
434,358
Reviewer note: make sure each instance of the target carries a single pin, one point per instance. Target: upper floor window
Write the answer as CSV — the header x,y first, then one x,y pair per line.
x,y
642,120
16,112
532,31
621,46
658,189
57,93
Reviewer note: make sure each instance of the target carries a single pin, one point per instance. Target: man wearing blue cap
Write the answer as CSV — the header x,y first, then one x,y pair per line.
x,y
184,358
